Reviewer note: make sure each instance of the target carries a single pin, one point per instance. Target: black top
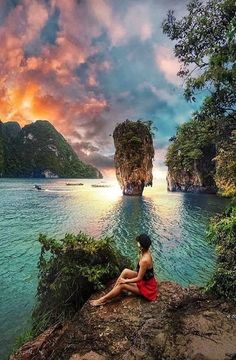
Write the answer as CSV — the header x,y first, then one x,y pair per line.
x,y
149,273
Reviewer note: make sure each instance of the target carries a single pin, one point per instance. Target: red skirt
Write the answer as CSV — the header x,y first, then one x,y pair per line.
x,y
148,288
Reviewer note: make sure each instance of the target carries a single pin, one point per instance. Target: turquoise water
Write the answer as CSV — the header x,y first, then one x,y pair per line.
x,y
176,223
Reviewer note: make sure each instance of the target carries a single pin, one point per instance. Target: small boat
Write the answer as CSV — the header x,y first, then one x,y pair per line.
x,y
100,185
74,184
38,187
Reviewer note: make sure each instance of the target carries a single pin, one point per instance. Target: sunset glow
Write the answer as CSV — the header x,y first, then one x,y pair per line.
x,y
87,66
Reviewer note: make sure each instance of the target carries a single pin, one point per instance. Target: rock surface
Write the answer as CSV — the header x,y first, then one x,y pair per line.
x,y
200,179
133,156
183,324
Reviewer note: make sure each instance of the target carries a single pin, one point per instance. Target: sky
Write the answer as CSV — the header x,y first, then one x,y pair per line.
x,y
86,65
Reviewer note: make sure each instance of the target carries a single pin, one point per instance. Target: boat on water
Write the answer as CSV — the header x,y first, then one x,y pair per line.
x,y
100,185
37,187
74,184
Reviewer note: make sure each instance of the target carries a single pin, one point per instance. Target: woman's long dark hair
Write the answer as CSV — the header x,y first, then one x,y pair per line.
x,y
144,240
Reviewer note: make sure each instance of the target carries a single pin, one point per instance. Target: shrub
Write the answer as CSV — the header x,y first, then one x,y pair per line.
x,y
226,167
222,233
70,270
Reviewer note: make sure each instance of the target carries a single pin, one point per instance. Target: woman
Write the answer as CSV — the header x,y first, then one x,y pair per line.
x,y
140,282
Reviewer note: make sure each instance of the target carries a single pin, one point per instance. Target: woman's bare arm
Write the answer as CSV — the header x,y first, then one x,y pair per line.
x,y
142,270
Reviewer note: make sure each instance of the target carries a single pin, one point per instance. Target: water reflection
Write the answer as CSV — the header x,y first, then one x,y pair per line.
x,y
176,224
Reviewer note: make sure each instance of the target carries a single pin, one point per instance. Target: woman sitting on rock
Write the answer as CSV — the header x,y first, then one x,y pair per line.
x,y
140,282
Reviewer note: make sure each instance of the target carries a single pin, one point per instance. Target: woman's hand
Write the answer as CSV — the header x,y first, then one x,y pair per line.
x,y
121,281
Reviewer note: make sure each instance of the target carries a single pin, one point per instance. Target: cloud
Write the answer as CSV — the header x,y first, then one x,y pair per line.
x,y
167,63
90,154
108,20
88,65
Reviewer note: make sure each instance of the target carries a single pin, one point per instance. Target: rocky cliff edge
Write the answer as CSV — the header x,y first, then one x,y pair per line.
x,y
183,324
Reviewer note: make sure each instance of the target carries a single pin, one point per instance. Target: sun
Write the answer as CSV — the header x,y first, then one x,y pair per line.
x,y
26,103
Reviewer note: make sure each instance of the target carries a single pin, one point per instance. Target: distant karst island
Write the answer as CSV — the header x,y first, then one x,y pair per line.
x,y
38,150
133,156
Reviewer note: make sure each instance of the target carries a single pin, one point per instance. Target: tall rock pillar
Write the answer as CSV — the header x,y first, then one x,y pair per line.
x,y
133,157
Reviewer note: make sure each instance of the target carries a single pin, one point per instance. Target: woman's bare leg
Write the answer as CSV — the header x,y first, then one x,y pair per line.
x,y
117,289
126,274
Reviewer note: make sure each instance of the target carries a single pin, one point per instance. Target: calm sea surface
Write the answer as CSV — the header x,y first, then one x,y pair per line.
x,y
176,223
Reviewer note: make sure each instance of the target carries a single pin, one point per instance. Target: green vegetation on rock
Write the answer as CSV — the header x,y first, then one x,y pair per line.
x,y
205,45
38,150
134,154
226,167
207,149
70,270
222,233
191,143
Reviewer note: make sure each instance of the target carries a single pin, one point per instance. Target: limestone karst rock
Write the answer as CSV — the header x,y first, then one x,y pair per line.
x,y
134,155
39,150
199,179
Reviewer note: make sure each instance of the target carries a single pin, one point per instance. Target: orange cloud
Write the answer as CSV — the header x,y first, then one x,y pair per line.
x,y
27,103
44,85
22,25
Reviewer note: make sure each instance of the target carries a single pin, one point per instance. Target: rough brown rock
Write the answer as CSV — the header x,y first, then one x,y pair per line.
x,y
133,156
199,179
183,324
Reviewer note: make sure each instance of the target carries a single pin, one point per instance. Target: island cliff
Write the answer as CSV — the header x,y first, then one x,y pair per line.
x,y
39,150
200,178
134,155
202,157
191,158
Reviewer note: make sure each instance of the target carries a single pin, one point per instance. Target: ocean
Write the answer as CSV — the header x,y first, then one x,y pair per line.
x,y
176,223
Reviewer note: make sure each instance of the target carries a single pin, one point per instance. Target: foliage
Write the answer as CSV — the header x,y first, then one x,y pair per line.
x,y
133,134
191,143
205,45
226,167
22,339
70,270
151,127
39,147
209,149
222,233
206,49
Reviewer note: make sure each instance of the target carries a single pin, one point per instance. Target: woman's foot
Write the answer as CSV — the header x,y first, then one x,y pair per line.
x,y
97,302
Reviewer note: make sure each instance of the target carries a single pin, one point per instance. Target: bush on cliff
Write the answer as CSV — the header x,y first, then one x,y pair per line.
x,y
208,148
70,270
205,48
226,167
189,144
222,233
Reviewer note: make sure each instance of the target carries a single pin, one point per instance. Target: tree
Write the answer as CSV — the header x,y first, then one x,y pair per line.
x,y
206,49
226,167
222,233
205,45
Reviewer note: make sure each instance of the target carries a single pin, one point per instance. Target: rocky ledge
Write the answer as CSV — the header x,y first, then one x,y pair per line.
x,y
183,324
